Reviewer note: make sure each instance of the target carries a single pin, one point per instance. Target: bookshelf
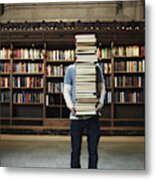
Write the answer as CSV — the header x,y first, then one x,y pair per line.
x,y
33,63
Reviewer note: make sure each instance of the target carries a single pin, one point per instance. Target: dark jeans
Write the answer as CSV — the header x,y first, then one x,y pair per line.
x,y
92,128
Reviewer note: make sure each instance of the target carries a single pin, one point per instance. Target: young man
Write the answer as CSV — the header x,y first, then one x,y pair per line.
x,y
78,124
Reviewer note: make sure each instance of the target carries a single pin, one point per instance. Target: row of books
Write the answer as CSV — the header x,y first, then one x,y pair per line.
x,y
28,97
55,70
56,55
32,53
107,97
128,96
5,67
125,81
107,81
106,68
103,53
129,51
5,53
28,67
69,54
4,96
130,66
25,53
51,100
55,87
28,82
4,82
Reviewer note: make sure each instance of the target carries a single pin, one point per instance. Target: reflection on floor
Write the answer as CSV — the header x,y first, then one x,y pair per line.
x,y
54,152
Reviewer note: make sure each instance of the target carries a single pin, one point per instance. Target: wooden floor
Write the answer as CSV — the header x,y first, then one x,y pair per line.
x,y
115,153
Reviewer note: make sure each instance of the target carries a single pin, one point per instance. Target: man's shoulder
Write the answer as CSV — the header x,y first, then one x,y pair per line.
x,y
71,67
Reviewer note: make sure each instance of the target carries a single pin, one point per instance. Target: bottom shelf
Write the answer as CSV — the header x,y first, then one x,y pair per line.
x,y
17,125
63,128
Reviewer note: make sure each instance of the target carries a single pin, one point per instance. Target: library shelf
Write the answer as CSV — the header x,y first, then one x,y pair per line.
x,y
4,73
129,87
28,104
60,36
129,103
27,74
3,88
125,72
66,127
28,88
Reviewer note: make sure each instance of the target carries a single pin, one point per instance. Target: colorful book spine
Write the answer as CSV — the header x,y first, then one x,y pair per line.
x,y
5,67
55,70
25,53
130,66
107,98
4,82
129,81
28,82
28,97
5,53
54,87
129,96
65,55
103,53
107,68
4,97
28,67
129,51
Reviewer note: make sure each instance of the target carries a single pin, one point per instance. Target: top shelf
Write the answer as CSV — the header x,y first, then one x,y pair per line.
x,y
56,33
72,26
129,57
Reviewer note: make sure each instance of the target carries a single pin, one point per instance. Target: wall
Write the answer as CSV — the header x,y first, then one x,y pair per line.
x,y
88,11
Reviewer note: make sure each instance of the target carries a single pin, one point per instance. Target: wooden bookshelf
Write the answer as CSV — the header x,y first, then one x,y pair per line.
x,y
117,117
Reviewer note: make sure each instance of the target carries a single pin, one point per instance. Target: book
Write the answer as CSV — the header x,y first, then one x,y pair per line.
x,y
85,71
87,51
85,39
4,96
4,82
5,53
5,67
87,100
84,106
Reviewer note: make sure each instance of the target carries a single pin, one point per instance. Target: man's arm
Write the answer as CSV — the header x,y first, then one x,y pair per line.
x,y
67,91
67,96
101,88
102,92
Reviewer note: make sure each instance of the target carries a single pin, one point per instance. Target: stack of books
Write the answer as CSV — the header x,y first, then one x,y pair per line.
x,y
86,92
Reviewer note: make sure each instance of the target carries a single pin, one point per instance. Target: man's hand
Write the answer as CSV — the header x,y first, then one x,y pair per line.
x,y
99,107
73,111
